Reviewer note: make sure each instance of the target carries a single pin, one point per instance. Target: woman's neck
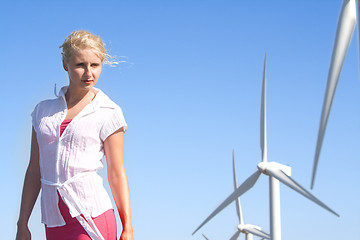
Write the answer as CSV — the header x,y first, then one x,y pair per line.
x,y
74,96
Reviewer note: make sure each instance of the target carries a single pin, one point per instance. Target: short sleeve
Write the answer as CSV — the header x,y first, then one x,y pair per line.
x,y
34,117
115,121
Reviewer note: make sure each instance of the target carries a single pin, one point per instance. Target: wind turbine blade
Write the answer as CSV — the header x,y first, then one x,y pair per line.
x,y
235,236
345,29
263,143
258,232
205,237
282,177
237,193
237,201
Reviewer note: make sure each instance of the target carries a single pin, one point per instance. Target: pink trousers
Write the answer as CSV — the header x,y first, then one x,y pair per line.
x,y
106,223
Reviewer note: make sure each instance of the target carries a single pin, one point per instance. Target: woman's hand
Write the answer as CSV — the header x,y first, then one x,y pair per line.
x,y
23,233
127,234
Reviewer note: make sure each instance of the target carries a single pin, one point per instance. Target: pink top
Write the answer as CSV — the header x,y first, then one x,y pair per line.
x,y
64,125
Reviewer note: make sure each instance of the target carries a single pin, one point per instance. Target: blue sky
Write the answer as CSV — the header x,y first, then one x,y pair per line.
x,y
190,92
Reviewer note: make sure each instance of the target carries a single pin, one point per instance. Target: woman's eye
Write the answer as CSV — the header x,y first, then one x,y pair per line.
x,y
94,64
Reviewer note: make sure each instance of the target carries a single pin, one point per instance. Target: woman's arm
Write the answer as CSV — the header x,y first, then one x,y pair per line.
x,y
114,151
30,191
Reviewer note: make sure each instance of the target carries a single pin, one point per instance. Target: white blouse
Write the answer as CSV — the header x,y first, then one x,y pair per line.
x,y
68,163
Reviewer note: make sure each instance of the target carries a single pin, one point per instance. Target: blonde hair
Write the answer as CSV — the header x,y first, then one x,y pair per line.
x,y
84,39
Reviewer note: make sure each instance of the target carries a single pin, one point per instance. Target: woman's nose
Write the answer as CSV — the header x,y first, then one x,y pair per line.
x,y
88,72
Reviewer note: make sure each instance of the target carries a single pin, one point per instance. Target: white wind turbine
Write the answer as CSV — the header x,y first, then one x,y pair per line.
x,y
248,229
276,172
345,30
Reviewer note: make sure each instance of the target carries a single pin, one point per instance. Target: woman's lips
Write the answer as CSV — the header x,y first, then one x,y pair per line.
x,y
87,81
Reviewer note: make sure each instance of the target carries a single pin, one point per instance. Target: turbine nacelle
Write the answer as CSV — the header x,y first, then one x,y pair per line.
x,y
244,227
272,166
250,230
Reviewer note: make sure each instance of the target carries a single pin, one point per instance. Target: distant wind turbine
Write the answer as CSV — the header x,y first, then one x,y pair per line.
x,y
276,172
345,30
247,229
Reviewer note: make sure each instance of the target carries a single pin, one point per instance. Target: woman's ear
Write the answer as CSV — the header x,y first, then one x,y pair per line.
x,y
65,65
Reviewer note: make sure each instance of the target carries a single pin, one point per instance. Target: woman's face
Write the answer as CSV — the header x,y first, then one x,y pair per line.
x,y
84,69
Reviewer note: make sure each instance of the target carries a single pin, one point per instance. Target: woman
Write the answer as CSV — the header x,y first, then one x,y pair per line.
x,y
70,136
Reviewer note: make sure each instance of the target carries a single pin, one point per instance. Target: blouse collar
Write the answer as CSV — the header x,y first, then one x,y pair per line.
x,y
101,100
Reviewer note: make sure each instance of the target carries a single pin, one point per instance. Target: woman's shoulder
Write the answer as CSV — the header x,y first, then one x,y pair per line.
x,y
44,109
47,103
47,107
105,101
